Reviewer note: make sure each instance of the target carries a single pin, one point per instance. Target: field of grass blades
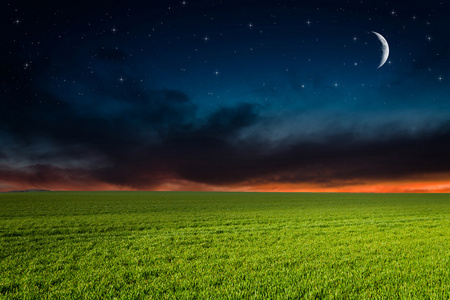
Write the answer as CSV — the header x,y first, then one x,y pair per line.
x,y
192,245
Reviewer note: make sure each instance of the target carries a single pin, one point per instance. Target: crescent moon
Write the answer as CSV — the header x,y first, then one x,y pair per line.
x,y
384,49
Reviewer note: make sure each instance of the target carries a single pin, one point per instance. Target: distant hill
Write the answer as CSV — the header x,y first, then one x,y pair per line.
x,y
27,191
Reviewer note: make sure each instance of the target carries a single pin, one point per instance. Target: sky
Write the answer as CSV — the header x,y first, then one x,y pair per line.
x,y
225,96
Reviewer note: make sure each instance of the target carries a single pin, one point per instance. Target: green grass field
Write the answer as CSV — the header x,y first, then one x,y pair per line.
x,y
175,245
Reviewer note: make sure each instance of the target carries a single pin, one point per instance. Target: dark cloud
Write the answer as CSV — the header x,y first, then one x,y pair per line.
x,y
45,175
143,138
158,138
138,146
340,158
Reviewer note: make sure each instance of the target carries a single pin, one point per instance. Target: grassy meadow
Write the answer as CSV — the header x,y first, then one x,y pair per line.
x,y
177,245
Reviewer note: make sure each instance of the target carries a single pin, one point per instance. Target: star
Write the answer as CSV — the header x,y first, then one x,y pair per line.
x,y
355,38
114,30
206,38
216,72
17,21
308,22
121,79
250,25
440,78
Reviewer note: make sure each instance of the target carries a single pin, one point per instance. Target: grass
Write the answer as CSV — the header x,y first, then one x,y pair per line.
x,y
175,245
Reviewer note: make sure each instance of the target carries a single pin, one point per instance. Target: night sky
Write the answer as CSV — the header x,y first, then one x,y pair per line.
x,y
225,95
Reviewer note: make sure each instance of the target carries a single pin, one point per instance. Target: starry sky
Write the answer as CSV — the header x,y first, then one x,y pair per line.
x,y
225,95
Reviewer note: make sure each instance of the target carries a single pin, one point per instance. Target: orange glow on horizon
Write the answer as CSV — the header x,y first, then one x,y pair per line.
x,y
437,186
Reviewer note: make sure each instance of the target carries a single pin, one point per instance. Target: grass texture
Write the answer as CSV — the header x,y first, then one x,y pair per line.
x,y
188,245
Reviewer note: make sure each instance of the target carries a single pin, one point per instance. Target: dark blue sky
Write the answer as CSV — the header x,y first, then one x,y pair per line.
x,y
224,95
